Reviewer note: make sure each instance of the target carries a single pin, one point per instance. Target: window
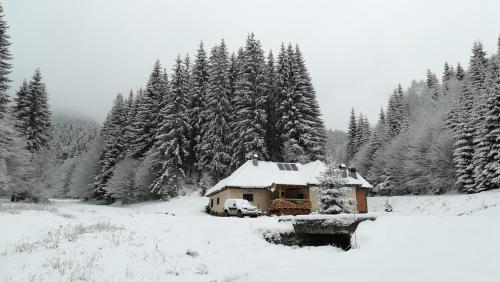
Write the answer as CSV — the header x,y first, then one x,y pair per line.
x,y
248,197
217,201
280,166
211,203
294,167
287,166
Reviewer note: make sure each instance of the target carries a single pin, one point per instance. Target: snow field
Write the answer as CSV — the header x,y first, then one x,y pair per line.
x,y
424,239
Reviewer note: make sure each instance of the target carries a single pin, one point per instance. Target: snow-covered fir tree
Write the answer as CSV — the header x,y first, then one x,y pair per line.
x,y
112,134
485,159
15,159
313,137
332,198
300,132
148,113
215,145
478,67
170,151
480,70
352,132
197,103
448,76
377,138
395,112
433,84
35,116
381,116
250,103
5,66
21,105
131,107
460,74
464,146
291,104
272,93
363,131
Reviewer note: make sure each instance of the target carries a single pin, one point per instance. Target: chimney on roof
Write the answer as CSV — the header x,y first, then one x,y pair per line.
x,y
343,170
255,160
352,173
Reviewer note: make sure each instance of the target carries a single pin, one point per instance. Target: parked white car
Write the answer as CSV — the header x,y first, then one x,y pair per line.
x,y
240,208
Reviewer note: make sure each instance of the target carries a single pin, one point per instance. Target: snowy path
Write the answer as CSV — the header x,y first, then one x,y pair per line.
x,y
430,238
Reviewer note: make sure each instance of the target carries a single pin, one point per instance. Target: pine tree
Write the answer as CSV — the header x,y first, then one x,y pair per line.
x,y
283,83
431,79
250,103
300,132
190,161
112,134
486,134
313,136
362,132
148,113
478,67
377,137
272,93
433,84
130,113
5,66
352,133
448,72
15,160
215,147
448,75
395,113
460,74
491,170
464,147
171,146
21,107
453,116
381,116
480,80
36,125
332,195
197,104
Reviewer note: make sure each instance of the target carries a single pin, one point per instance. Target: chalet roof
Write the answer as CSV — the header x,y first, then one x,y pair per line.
x,y
265,174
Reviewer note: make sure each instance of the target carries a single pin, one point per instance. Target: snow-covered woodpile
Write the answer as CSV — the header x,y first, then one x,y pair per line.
x,y
289,207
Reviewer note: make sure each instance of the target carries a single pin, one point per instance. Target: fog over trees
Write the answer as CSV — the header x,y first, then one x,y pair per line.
x,y
435,136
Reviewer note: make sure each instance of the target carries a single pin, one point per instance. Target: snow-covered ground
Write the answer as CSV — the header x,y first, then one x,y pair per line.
x,y
426,238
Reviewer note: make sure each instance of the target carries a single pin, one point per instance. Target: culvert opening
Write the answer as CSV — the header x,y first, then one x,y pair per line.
x,y
342,241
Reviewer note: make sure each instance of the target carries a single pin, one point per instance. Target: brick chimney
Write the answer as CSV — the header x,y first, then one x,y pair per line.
x,y
255,160
343,170
352,173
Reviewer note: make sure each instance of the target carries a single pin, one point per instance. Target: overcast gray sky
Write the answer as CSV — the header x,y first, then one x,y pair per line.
x,y
356,51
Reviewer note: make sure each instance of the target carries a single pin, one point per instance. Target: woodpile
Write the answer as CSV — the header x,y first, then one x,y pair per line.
x,y
287,207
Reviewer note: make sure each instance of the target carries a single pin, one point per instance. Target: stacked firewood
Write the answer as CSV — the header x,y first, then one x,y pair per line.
x,y
280,206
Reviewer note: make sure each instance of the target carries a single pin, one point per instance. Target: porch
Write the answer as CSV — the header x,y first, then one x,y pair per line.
x,y
290,199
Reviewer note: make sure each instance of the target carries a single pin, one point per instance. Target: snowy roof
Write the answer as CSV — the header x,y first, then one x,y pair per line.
x,y
265,174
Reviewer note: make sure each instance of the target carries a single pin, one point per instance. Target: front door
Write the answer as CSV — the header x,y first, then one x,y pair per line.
x,y
362,206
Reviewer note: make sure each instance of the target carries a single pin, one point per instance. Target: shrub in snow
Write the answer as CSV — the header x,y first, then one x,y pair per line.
x,y
388,207
86,169
332,200
121,184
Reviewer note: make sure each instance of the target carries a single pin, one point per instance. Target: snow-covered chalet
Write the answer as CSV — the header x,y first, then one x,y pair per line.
x,y
283,188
